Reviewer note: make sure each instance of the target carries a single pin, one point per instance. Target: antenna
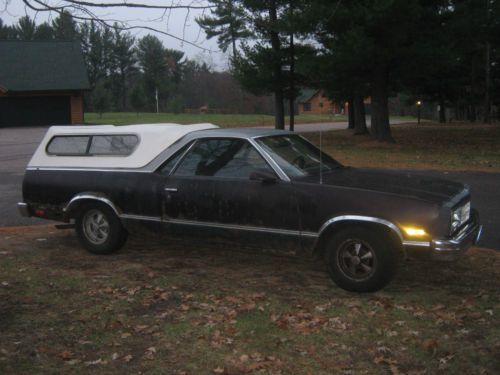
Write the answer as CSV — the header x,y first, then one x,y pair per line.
x,y
320,158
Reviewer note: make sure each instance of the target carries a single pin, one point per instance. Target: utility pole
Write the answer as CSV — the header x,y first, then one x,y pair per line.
x,y
157,107
279,107
292,72
292,85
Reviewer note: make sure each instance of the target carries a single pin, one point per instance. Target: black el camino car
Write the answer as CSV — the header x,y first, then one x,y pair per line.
x,y
263,182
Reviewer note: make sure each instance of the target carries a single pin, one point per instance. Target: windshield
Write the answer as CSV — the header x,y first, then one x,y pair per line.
x,y
296,156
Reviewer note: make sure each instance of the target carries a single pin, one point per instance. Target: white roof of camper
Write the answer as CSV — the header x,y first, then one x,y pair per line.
x,y
153,139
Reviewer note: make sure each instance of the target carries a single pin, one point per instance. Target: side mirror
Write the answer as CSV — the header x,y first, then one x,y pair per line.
x,y
264,176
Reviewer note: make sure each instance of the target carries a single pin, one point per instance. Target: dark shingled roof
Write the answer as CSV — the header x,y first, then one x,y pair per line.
x,y
306,94
41,66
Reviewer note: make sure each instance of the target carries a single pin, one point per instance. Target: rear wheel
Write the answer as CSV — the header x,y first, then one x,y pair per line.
x,y
99,230
361,259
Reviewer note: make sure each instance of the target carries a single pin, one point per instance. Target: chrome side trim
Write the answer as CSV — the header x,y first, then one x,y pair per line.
x,y
478,236
277,169
369,219
309,234
417,243
140,217
88,169
237,227
92,196
220,225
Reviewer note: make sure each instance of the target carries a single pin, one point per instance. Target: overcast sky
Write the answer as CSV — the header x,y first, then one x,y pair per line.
x,y
178,22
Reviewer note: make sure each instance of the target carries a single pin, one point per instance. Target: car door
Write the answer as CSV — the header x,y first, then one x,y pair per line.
x,y
211,186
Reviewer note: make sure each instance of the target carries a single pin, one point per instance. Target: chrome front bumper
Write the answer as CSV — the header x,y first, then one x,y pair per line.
x,y
448,249
24,209
451,249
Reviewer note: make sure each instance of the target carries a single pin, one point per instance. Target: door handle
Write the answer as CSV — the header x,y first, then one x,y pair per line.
x,y
172,190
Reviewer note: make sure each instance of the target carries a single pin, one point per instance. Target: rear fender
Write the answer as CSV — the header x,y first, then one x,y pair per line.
x,y
78,200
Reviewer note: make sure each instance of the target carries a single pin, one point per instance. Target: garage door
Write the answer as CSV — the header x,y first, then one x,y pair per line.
x,y
35,111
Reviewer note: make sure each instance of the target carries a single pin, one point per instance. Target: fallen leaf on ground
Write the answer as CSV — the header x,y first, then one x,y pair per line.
x,y
430,345
66,355
150,352
96,362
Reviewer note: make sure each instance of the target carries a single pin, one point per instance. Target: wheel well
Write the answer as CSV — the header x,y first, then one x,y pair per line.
x,y
76,203
320,246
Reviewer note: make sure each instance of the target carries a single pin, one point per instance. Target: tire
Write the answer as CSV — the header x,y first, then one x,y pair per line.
x,y
99,230
361,259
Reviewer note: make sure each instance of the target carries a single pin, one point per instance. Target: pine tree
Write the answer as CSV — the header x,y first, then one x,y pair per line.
x,y
26,28
7,32
137,99
123,65
65,27
151,57
44,32
227,23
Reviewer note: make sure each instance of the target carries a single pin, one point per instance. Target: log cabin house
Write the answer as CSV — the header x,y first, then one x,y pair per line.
x,y
315,102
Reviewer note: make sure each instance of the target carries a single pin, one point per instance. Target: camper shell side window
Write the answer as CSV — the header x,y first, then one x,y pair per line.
x,y
93,145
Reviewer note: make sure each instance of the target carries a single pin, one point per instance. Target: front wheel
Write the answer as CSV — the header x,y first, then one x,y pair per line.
x,y
99,229
361,259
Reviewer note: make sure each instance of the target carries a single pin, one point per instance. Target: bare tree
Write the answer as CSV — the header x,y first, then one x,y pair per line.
x,y
83,11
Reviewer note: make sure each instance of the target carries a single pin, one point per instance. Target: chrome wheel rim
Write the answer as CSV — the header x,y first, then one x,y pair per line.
x,y
356,259
96,227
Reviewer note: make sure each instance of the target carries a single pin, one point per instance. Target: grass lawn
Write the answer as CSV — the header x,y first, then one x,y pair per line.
x,y
225,121
227,309
473,147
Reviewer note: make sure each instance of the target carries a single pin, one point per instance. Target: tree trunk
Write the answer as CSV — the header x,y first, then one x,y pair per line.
x,y
279,110
279,107
350,114
487,102
292,84
359,115
233,42
380,105
472,113
442,108
124,90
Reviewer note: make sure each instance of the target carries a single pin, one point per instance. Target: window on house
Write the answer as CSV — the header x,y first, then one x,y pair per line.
x,y
307,107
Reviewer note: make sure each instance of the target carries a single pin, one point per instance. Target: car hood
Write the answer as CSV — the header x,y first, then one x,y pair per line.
x,y
401,183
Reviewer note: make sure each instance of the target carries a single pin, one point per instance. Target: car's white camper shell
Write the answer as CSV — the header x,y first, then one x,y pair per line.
x,y
153,139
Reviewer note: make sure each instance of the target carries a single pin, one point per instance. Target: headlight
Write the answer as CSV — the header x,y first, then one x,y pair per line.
x,y
459,216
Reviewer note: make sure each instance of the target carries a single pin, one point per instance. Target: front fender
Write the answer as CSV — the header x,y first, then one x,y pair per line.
x,y
335,224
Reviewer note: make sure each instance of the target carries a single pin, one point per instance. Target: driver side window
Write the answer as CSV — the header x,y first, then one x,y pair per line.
x,y
222,157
